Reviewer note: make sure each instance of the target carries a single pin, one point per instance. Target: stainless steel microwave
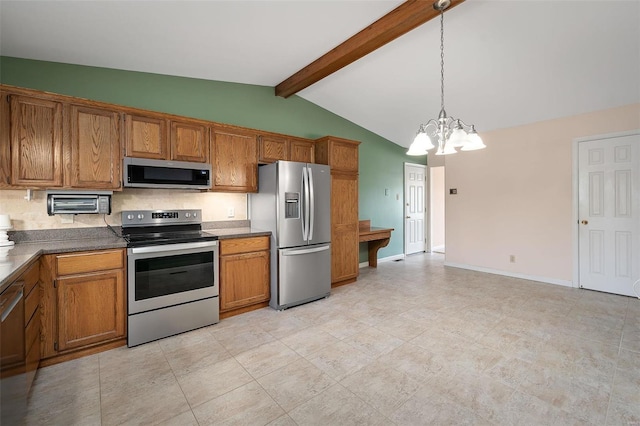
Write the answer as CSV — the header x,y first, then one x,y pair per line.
x,y
78,202
147,173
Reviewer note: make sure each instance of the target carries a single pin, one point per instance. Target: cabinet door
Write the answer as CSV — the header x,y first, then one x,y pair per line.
x,y
273,148
189,142
344,227
91,309
146,137
244,280
234,159
301,150
5,140
36,142
95,148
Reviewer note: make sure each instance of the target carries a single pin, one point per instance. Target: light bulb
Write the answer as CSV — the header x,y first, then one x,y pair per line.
x,y
474,141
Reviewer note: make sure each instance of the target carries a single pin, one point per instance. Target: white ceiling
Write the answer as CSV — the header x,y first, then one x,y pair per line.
x,y
507,62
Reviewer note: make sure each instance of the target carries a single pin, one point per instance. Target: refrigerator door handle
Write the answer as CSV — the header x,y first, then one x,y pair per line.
x,y
312,203
305,251
303,216
307,201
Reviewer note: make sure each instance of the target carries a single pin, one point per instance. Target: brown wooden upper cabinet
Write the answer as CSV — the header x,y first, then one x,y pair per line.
x,y
95,148
234,159
274,147
301,150
59,145
340,154
150,136
35,133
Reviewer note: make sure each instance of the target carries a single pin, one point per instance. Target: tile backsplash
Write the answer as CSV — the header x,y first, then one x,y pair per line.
x,y
28,215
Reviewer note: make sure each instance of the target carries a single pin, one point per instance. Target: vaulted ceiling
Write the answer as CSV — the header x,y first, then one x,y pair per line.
x,y
507,62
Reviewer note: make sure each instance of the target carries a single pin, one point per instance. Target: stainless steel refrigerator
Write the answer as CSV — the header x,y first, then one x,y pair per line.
x,y
294,203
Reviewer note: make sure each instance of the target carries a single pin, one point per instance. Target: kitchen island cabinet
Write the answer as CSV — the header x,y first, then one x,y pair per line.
x,y
234,159
342,156
244,275
83,303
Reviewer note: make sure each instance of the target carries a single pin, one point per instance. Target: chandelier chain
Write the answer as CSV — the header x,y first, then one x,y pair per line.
x,y
442,60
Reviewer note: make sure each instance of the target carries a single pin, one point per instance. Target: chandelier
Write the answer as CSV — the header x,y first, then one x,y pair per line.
x,y
450,133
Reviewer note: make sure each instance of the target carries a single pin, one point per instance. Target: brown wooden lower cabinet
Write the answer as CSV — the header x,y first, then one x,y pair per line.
x,y
244,275
344,228
83,303
31,321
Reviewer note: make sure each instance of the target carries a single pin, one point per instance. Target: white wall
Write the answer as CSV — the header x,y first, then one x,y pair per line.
x,y
436,207
27,215
516,197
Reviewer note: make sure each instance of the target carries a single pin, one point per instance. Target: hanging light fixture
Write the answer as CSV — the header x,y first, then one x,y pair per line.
x,y
449,133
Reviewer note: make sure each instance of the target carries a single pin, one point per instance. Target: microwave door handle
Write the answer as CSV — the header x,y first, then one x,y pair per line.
x,y
312,203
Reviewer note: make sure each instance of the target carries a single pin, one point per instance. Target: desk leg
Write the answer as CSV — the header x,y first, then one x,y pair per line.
x,y
374,246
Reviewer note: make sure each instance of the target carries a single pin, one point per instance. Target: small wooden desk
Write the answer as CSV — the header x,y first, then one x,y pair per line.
x,y
376,237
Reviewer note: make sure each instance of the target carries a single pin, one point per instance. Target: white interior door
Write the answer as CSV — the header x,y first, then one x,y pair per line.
x,y
414,198
609,213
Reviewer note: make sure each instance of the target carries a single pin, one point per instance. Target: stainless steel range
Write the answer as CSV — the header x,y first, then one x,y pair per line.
x,y
172,273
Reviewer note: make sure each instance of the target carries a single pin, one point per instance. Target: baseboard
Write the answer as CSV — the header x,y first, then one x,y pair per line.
x,y
384,259
545,280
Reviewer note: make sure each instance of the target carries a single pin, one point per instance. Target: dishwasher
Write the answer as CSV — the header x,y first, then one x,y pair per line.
x,y
13,382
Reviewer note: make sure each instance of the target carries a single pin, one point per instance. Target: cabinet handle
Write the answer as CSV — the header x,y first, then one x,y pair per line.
x,y
55,283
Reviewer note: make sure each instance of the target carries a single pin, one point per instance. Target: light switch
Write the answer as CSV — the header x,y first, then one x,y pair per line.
x,y
386,192
453,191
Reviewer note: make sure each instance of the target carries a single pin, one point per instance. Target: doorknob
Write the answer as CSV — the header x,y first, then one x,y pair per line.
x,y
584,222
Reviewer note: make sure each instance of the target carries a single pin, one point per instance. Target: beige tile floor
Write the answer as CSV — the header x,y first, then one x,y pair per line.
x,y
411,343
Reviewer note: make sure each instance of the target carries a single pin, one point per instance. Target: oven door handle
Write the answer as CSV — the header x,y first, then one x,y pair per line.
x,y
173,247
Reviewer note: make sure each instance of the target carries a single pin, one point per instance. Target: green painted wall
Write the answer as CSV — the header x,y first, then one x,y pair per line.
x,y
381,161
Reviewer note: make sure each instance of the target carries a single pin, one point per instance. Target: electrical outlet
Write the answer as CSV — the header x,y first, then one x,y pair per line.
x,y
231,212
512,258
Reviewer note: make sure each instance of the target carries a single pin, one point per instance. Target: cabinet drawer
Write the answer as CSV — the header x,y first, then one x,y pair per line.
x,y
243,245
31,304
89,262
32,332
31,278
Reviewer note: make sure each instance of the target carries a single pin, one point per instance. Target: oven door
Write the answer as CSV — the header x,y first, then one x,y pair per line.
x,y
171,274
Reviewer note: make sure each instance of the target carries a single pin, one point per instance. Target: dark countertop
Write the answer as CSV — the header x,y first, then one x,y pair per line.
x,y
227,233
23,254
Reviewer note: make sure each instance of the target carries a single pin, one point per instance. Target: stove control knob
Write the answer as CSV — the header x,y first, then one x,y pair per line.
x,y
140,216
130,217
187,215
195,214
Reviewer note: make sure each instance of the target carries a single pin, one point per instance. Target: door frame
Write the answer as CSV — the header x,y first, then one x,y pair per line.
x,y
427,207
575,236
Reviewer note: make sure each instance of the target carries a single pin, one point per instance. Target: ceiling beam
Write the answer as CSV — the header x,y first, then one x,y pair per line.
x,y
401,20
